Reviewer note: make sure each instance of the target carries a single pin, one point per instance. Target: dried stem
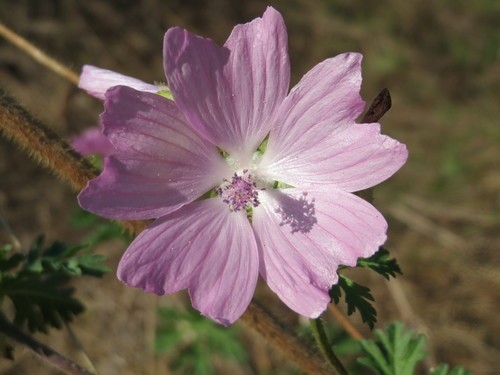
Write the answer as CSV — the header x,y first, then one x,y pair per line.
x,y
344,322
46,353
324,345
379,107
81,349
38,55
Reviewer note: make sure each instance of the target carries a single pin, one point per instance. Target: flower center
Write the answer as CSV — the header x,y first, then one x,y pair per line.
x,y
239,193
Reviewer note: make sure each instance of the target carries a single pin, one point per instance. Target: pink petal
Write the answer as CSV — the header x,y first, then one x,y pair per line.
x,y
203,247
229,93
92,142
354,159
159,164
97,81
303,237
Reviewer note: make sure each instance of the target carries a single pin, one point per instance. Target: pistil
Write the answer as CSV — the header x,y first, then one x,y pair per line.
x,y
239,193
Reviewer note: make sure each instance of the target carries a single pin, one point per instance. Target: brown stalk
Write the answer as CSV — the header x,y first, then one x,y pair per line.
x,y
309,360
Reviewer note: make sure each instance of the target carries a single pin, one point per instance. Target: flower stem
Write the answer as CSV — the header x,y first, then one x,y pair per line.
x,y
45,352
324,345
268,326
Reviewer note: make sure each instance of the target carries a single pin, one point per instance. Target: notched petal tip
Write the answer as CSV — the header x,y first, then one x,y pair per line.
x,y
201,247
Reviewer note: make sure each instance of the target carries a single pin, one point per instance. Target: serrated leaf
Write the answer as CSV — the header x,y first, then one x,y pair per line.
x,y
42,302
357,297
39,284
444,369
381,263
394,351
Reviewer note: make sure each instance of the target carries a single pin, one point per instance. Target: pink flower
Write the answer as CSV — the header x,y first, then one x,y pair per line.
x,y
92,142
96,81
226,211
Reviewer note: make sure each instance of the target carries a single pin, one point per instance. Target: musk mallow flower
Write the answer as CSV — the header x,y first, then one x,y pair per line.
x,y
96,81
242,176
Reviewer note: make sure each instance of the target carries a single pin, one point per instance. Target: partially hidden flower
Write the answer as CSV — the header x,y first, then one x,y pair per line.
x,y
92,142
96,81
243,177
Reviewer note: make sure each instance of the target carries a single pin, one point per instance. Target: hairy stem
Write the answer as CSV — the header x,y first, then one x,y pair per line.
x,y
46,353
306,358
324,345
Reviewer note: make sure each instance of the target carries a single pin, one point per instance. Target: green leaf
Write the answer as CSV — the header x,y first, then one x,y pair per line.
x,y
37,282
381,263
41,302
444,369
357,297
394,351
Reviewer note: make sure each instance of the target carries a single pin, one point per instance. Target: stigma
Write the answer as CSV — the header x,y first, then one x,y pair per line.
x,y
241,192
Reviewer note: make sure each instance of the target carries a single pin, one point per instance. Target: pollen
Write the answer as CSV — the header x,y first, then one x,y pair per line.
x,y
241,192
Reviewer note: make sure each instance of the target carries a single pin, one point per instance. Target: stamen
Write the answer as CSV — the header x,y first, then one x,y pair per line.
x,y
239,193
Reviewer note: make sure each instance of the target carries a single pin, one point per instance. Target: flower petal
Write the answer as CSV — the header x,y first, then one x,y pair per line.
x,y
203,247
325,101
229,93
160,163
303,237
354,159
96,81
92,142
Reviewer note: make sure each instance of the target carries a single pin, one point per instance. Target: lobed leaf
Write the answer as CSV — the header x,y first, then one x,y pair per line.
x,y
381,263
37,282
394,351
357,297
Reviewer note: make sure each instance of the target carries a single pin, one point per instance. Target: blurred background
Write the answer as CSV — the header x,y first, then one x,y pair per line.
x,y
440,61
